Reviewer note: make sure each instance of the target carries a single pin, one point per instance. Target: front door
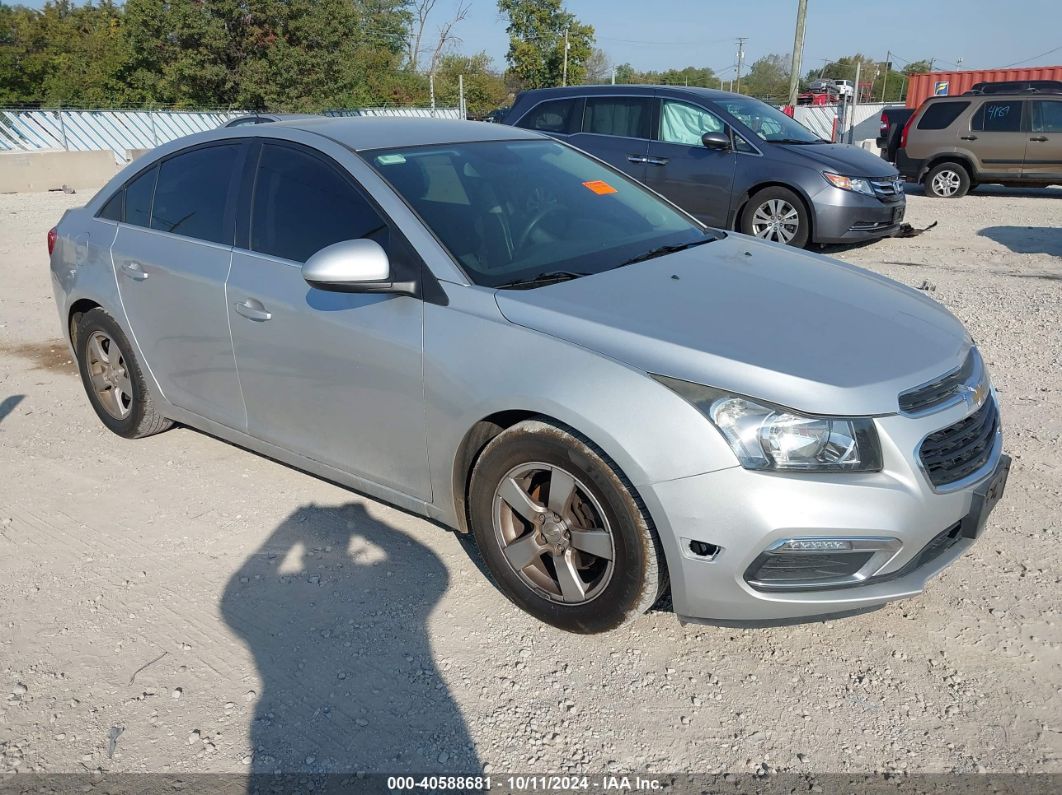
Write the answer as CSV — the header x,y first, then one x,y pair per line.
x,y
1043,154
171,257
617,130
679,166
335,377
997,137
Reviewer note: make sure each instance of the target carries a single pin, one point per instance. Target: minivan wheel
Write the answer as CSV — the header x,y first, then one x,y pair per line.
x,y
777,214
947,181
113,379
561,530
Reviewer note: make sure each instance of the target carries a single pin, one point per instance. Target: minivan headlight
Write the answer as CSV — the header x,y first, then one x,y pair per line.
x,y
765,436
855,184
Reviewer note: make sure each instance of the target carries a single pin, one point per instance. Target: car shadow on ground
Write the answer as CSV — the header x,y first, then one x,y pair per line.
x,y
1027,239
1052,192
8,404
334,608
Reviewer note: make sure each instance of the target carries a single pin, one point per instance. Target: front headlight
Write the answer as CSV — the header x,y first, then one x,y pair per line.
x,y
855,184
765,436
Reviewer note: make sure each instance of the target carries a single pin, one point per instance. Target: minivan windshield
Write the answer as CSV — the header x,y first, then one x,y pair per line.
x,y
526,213
769,123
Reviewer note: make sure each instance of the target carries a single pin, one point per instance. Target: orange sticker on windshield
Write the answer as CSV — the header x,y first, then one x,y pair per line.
x,y
599,186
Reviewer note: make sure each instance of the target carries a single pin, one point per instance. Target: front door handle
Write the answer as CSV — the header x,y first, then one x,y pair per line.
x,y
637,159
1040,138
252,310
968,137
656,161
135,271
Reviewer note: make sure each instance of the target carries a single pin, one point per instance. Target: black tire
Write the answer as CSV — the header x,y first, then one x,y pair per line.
x,y
637,576
768,199
947,181
141,418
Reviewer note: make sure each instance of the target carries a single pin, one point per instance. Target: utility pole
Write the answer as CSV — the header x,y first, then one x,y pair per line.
x,y
798,53
613,75
740,59
885,80
461,95
855,104
567,46
931,62
431,88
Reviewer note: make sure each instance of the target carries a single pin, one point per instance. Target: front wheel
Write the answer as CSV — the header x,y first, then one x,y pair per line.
x,y
777,214
561,531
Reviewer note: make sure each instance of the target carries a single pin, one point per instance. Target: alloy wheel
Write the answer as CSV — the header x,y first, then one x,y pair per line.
x,y
553,533
109,375
777,220
946,183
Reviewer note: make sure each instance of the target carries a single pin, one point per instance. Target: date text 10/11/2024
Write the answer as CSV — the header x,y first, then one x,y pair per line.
x,y
530,783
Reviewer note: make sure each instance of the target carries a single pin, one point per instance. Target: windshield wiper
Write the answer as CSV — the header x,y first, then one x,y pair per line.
x,y
797,141
660,251
549,277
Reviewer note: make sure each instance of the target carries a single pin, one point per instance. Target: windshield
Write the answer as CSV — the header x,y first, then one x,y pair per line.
x,y
514,210
767,122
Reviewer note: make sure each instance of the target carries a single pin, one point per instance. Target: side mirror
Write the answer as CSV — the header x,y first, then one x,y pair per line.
x,y
353,266
719,141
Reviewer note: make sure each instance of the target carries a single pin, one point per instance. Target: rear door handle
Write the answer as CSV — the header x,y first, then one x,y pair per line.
x,y
968,137
135,271
637,159
1040,138
656,161
252,310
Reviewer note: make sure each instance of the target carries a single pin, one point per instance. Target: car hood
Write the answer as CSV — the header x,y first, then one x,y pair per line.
x,y
851,161
759,319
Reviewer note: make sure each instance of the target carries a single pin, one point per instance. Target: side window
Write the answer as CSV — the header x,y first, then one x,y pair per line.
x,y
192,193
301,204
557,116
114,209
138,194
1047,116
624,116
940,115
685,124
999,116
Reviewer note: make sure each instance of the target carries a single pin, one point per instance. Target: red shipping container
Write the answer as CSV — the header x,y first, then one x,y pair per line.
x,y
923,86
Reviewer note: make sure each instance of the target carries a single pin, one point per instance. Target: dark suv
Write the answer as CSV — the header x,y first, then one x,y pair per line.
x,y
730,160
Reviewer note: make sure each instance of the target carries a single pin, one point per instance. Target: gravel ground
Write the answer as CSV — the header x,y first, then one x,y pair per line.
x,y
179,604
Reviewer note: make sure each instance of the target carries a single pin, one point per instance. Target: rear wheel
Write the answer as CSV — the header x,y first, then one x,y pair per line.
x,y
777,214
947,181
113,379
561,531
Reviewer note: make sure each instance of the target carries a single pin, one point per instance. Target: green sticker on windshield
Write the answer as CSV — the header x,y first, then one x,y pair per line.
x,y
390,160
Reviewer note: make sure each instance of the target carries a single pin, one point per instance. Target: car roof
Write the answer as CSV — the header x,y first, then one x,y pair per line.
x,y
385,132
1006,95
539,94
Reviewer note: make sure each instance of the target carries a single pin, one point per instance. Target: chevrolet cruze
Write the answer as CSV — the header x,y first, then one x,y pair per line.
x,y
485,326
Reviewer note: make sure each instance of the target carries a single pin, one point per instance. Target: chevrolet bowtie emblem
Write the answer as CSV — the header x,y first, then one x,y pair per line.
x,y
974,396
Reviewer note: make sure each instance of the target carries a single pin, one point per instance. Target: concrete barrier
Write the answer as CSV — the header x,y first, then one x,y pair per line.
x,y
27,172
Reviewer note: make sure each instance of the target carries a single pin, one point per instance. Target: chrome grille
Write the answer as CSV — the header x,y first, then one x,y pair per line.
x,y
887,188
959,450
946,389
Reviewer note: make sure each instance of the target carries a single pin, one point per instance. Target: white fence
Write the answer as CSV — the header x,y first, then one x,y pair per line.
x,y
121,131
822,120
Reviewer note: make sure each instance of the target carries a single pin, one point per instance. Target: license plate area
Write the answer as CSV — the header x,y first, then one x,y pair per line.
x,y
985,499
898,213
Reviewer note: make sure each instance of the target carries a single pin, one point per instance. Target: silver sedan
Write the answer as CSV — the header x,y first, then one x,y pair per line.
x,y
490,328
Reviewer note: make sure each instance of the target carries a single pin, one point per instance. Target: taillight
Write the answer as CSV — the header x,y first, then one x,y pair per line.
x,y
53,235
906,127
884,123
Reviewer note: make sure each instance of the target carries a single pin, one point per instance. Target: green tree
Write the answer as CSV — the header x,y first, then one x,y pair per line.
x,y
916,68
768,78
626,74
485,89
537,31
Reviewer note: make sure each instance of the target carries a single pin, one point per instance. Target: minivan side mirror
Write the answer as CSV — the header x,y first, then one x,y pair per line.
x,y
353,266
719,141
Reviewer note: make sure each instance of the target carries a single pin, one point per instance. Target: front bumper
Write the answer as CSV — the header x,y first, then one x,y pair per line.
x,y
740,513
843,216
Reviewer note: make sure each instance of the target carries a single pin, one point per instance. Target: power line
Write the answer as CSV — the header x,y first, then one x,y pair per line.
x,y
1041,55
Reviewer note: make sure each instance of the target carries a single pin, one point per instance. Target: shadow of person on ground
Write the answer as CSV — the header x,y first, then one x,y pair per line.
x,y
1027,239
8,404
334,607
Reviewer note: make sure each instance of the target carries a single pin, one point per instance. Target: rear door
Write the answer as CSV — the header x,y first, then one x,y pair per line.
x,y
997,138
335,377
679,166
1043,154
617,129
171,258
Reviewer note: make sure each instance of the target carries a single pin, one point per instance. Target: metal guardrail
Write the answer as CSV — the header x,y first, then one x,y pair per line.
x,y
121,131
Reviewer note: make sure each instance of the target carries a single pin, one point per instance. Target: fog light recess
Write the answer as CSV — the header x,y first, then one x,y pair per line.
x,y
817,563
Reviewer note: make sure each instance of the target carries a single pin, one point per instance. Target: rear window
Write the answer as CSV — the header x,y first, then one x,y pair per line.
x,y
940,115
999,116
627,117
556,116
138,194
192,191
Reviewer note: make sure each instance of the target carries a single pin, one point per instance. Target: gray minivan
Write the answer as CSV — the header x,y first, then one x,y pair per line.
x,y
730,160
